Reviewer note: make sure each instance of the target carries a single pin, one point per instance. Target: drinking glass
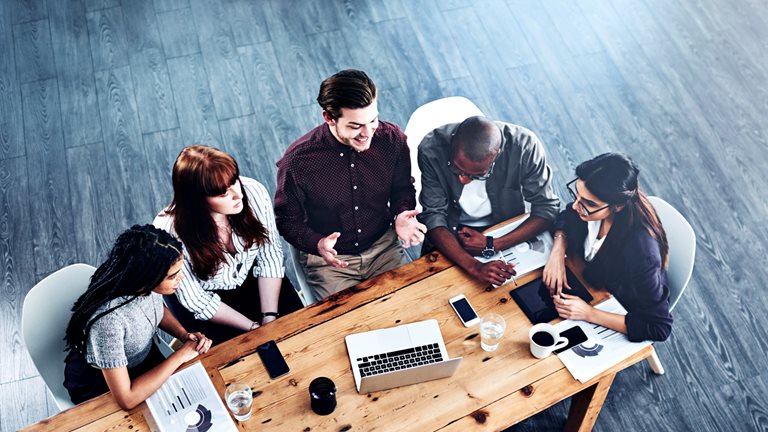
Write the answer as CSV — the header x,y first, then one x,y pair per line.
x,y
492,328
239,400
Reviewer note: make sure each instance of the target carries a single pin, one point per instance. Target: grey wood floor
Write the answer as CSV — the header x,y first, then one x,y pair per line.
x,y
98,96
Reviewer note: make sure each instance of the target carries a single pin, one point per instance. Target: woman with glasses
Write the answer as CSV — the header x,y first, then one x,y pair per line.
x,y
233,268
614,228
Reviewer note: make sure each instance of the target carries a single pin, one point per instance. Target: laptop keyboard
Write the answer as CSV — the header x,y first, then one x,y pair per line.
x,y
396,360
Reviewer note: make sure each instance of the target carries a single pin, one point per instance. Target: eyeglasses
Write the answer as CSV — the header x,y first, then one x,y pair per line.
x,y
482,177
571,186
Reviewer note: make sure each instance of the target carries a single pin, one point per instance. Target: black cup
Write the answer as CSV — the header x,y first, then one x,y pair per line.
x,y
322,395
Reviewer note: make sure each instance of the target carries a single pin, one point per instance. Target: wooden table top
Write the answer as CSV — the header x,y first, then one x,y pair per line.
x,y
489,391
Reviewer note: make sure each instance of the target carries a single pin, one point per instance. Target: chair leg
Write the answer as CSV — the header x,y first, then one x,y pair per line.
x,y
655,364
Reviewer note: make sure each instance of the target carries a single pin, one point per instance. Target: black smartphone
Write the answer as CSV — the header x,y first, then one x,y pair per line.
x,y
575,337
273,359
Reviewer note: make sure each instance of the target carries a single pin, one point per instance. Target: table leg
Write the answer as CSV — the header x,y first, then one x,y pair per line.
x,y
585,405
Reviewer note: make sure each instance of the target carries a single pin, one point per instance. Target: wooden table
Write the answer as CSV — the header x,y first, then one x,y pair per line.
x,y
490,391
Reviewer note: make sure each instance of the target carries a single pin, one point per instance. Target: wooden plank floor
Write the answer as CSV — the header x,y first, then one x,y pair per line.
x,y
98,96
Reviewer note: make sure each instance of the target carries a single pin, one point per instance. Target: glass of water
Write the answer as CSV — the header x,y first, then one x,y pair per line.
x,y
239,400
492,328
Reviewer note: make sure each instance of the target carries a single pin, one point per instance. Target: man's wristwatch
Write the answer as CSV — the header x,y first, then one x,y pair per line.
x,y
489,251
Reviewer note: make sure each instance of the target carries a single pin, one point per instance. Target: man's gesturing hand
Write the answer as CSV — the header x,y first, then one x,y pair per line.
x,y
326,250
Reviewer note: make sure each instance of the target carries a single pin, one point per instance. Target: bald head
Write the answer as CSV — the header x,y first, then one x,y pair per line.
x,y
477,138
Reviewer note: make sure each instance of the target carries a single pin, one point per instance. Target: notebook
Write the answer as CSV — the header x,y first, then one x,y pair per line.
x,y
398,356
535,301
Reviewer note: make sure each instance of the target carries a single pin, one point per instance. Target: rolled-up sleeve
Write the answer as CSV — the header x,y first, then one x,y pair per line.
x,y
402,194
536,180
433,196
270,254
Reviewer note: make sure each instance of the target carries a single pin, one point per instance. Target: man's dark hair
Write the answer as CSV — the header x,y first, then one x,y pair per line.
x,y
478,138
349,88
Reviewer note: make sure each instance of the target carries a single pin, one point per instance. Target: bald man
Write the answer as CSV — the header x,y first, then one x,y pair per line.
x,y
476,174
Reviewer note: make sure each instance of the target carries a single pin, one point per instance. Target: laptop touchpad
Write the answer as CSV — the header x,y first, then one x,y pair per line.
x,y
393,339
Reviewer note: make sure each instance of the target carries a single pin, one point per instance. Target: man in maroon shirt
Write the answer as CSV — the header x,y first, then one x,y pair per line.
x,y
342,187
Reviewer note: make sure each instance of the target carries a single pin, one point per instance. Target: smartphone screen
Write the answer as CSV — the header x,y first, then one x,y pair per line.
x,y
465,311
273,359
575,337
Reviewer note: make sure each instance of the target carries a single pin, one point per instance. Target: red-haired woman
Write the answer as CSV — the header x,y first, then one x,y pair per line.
x,y
234,274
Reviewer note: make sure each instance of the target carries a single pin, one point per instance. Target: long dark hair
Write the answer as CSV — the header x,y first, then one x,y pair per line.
x,y
198,173
613,178
137,263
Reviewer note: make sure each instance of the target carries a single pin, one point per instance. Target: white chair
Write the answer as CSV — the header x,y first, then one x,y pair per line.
x,y
432,115
306,294
44,318
682,254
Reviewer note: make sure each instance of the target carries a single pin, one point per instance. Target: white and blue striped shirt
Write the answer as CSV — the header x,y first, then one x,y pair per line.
x,y
267,260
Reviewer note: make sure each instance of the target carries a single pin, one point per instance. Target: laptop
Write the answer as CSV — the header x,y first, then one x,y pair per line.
x,y
398,356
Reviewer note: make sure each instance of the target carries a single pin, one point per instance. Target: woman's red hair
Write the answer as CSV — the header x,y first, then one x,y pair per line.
x,y
198,173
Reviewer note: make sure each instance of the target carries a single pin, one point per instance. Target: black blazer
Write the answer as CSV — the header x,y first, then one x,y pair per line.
x,y
628,265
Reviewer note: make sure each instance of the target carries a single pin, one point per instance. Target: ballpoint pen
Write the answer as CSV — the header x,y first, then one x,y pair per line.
x,y
504,260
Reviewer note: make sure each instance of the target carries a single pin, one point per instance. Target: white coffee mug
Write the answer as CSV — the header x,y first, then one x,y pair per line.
x,y
547,340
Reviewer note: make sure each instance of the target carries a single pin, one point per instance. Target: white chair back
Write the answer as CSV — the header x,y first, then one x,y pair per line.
x,y
682,248
44,318
306,294
432,115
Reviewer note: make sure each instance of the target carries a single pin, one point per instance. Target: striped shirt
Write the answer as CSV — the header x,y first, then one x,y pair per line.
x,y
266,260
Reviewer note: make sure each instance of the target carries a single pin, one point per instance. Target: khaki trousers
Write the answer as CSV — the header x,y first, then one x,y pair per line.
x,y
385,254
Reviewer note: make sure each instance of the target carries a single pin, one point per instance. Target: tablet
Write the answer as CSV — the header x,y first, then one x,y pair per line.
x,y
535,301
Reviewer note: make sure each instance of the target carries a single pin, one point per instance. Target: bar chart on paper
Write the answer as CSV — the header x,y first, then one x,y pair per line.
x,y
188,401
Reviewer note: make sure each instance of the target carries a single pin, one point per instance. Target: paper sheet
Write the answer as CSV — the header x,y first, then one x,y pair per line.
x,y
188,401
526,256
603,349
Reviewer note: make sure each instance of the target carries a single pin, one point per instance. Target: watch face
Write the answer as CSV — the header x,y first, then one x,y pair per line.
x,y
487,253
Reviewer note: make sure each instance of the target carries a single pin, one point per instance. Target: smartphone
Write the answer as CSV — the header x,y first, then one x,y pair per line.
x,y
575,335
273,359
464,310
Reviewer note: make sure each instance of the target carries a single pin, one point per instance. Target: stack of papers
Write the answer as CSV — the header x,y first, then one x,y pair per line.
x,y
603,349
188,401
526,256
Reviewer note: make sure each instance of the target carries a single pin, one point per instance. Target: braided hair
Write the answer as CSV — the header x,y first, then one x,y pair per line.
x,y
613,177
137,263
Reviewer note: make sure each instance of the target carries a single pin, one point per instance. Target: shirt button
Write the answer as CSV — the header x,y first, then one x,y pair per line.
x,y
354,187
352,165
359,230
454,228
356,207
355,244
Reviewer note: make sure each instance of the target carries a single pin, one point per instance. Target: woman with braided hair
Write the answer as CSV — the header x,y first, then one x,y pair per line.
x,y
615,229
110,335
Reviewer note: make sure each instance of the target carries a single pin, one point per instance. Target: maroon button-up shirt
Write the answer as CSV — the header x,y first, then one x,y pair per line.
x,y
324,186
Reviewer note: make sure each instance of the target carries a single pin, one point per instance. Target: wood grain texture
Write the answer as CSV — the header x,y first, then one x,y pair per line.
x,y
28,10
22,402
123,147
52,223
106,28
151,83
34,56
161,149
17,268
681,86
179,38
11,126
227,85
194,102
93,214
74,69
248,22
